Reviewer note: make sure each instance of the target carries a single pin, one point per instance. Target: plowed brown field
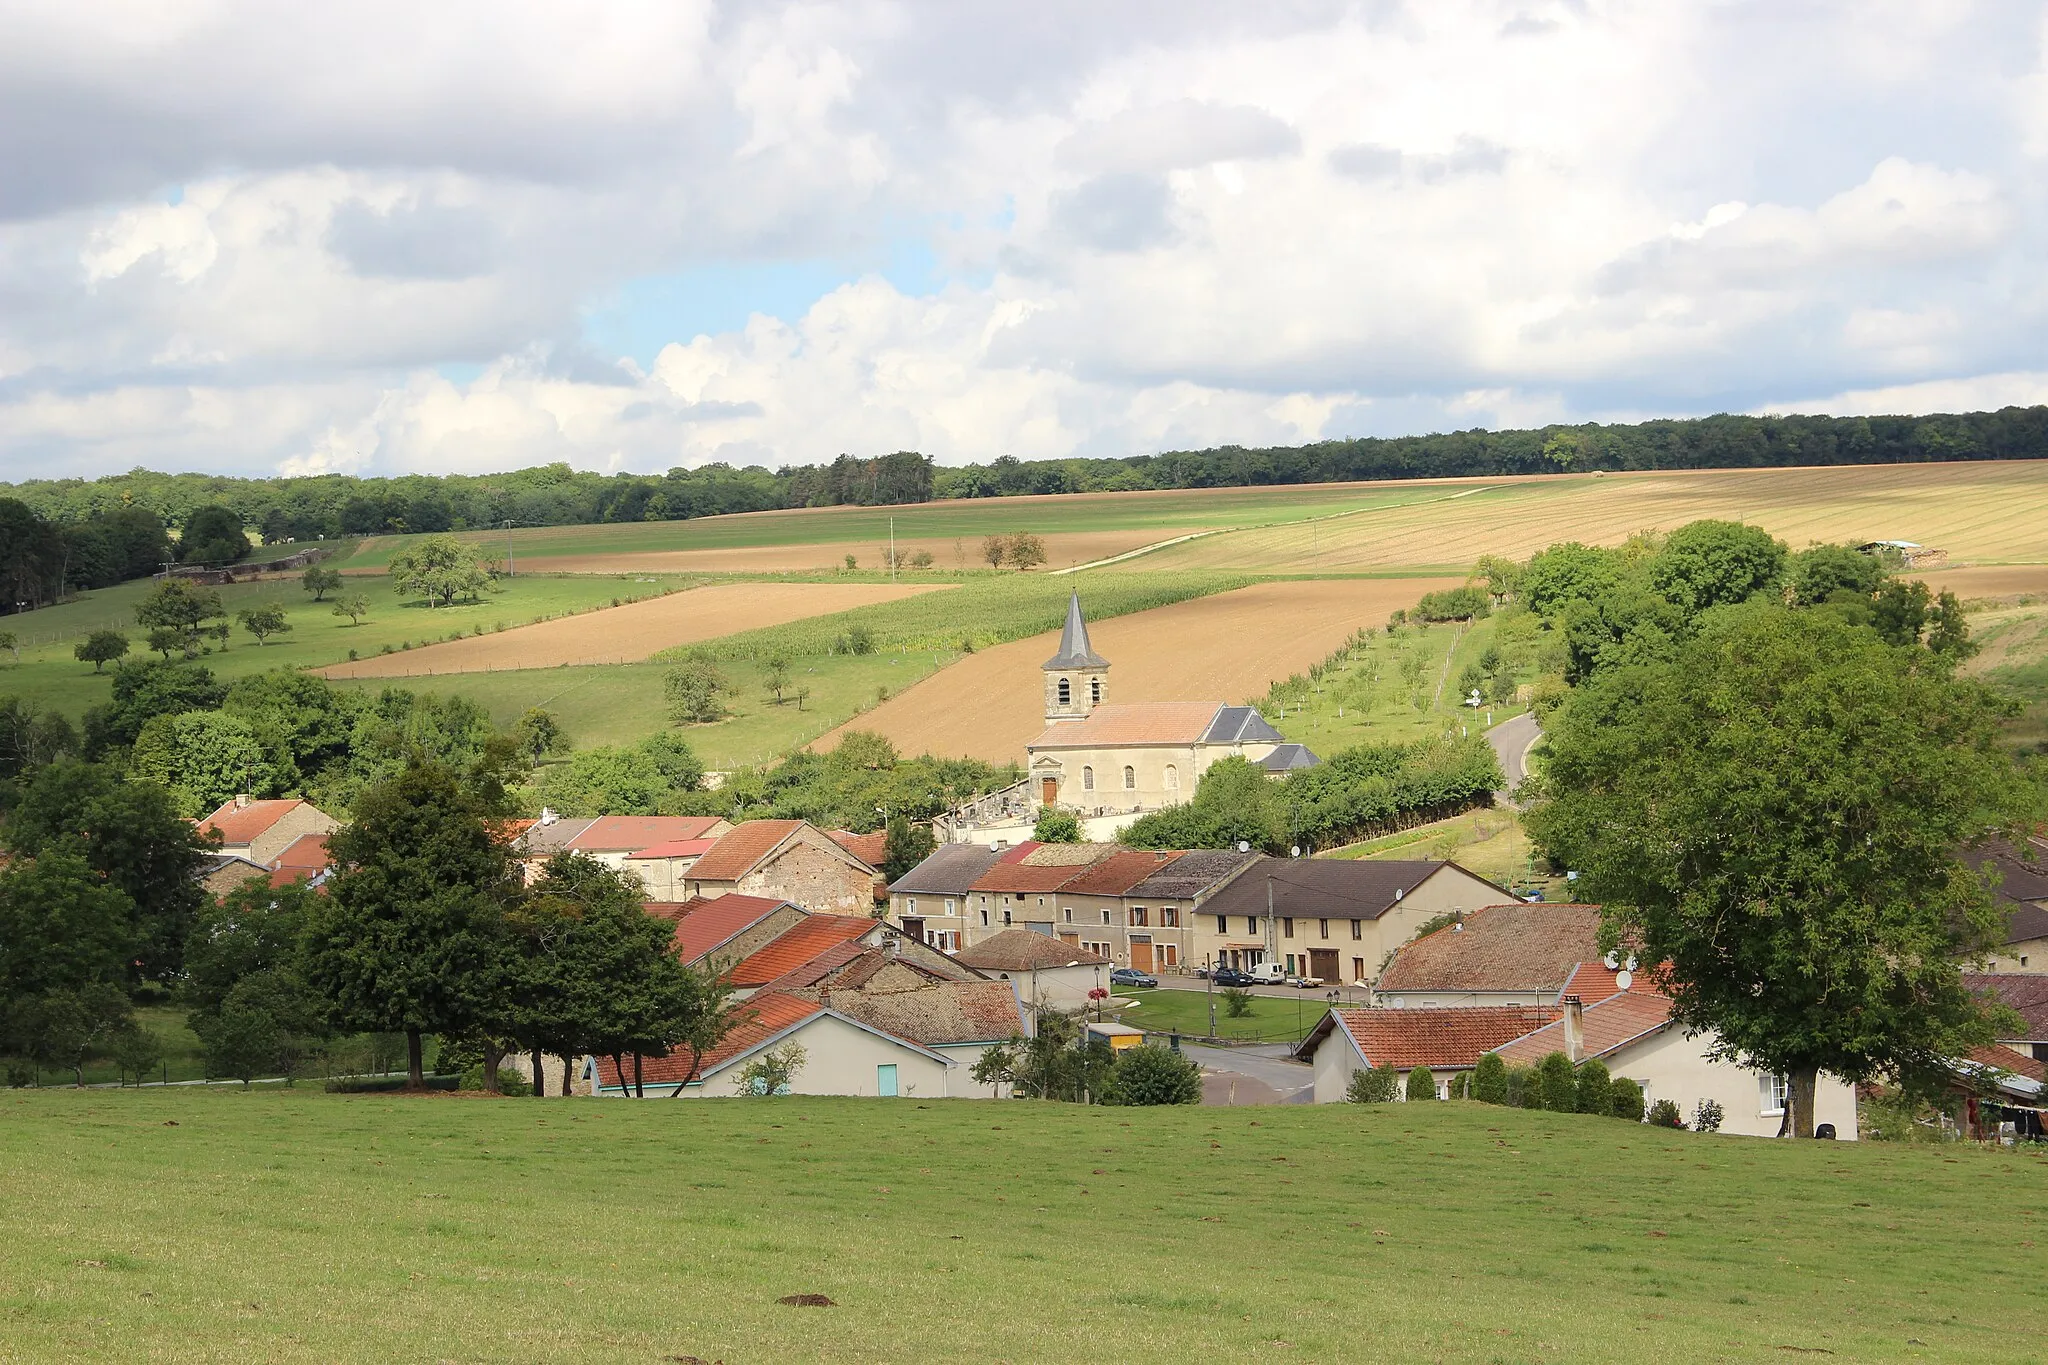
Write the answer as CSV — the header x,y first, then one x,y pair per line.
x,y
1229,647
1994,512
618,635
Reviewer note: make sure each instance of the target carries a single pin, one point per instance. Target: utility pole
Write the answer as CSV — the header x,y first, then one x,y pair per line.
x,y
510,572
1211,974
892,549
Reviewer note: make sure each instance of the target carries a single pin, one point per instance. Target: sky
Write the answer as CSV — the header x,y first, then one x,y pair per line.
x,y
381,238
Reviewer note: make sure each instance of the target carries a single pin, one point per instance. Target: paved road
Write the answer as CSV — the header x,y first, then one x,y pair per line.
x,y
1511,741
1265,1063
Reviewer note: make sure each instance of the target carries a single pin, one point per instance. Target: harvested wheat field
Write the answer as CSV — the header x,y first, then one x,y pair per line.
x,y
617,635
1991,512
1062,550
1987,581
1229,647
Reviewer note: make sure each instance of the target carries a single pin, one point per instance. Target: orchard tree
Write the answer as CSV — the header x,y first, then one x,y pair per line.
x,y
100,648
355,607
180,615
320,582
263,622
440,569
1782,812
410,937
693,689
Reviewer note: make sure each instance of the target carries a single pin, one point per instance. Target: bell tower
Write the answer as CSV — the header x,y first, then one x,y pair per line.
x,y
1076,678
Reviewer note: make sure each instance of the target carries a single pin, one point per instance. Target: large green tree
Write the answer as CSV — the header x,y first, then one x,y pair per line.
x,y
411,937
440,569
128,833
204,757
1781,811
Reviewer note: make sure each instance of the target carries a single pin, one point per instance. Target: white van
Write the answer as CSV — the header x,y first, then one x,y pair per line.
x,y
1267,974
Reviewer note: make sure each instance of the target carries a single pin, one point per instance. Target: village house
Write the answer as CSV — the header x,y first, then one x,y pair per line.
x,y
260,830
1020,888
1150,925
2025,994
1047,973
930,902
726,929
305,859
1101,758
1444,1042
1513,954
790,859
2023,895
616,841
1330,918
221,873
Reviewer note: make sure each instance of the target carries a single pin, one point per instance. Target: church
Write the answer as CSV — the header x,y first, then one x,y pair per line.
x,y
1098,757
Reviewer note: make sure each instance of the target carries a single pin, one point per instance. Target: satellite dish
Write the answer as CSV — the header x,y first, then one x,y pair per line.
x,y
1294,852
1624,979
1243,847
1612,960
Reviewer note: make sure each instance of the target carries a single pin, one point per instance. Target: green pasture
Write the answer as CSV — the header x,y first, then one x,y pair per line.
x,y
968,519
188,1225
1174,1007
50,676
1396,687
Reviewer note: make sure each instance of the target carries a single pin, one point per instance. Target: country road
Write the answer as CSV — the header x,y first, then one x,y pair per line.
x,y
1511,741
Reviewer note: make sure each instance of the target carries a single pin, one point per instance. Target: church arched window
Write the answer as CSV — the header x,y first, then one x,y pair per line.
x,y
1087,779
1172,778
1130,778
1095,692
1066,692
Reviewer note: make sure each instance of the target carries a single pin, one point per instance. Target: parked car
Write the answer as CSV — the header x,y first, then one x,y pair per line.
x,y
1300,982
1131,976
1231,976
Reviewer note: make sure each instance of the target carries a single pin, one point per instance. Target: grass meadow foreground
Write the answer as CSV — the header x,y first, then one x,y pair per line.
x,y
173,1225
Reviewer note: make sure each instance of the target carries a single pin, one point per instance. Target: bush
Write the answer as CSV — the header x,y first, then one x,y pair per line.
x,y
368,1085
1664,1114
510,1082
1490,1080
1421,1084
1461,1086
1557,1088
1707,1116
1155,1075
1625,1099
1595,1089
1056,826
1375,1086
1237,1002
1453,604
1523,1090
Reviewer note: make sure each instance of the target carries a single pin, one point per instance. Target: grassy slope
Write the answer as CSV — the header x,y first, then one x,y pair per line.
x,y
967,518
49,675
298,1226
1380,704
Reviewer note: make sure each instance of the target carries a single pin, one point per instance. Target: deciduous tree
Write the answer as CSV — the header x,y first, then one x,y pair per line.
x,y
263,622
319,581
440,569
100,648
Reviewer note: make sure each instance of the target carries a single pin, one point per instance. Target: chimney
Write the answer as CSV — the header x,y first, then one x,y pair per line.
x,y
242,800
1457,926
1574,1029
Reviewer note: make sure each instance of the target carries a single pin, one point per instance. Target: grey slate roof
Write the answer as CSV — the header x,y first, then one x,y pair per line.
x,y
1331,888
1193,874
949,871
2022,889
542,839
1287,757
1075,651
1240,725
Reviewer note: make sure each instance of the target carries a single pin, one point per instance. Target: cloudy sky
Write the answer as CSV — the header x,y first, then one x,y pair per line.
x,y
251,237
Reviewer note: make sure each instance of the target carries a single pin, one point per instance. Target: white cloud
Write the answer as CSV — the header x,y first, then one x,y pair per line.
x,y
238,236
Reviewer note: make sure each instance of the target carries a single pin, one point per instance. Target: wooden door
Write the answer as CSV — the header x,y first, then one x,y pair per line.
x,y
1141,955
1322,962
1050,789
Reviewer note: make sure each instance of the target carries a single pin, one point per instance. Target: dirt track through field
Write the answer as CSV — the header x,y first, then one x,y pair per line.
x,y
1230,648
959,552
627,634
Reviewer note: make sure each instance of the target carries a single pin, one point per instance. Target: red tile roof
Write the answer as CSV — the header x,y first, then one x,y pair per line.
x,y
1017,853
676,848
756,1022
1517,947
810,973
307,853
1610,1025
2027,994
1026,950
797,945
1015,877
1432,1038
622,833
1118,873
869,848
243,824
1125,723
2005,1058
738,851
704,923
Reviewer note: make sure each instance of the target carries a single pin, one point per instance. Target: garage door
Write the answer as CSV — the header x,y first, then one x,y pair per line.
x,y
1322,962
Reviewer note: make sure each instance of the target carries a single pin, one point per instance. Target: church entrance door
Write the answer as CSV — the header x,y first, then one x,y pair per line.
x,y
1049,788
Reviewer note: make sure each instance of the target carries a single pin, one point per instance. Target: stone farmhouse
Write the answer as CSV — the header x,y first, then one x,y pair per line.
x,y
616,841
930,902
1501,955
260,830
1109,759
790,859
1048,973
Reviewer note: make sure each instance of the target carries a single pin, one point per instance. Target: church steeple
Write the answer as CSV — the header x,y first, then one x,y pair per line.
x,y
1076,678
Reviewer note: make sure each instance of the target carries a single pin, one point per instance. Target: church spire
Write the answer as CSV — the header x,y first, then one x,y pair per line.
x,y
1075,651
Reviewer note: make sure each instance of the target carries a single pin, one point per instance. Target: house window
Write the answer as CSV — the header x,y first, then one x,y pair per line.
x,y
1325,926
1172,778
1066,693
949,905
984,919
1068,913
913,905
1287,926
1169,917
1138,917
1105,917
1130,778
1006,918
1358,929
1223,924
1773,1092
1087,779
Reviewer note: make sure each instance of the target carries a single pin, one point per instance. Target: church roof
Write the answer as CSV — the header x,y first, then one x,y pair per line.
x,y
1240,725
1288,757
1125,723
1075,651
